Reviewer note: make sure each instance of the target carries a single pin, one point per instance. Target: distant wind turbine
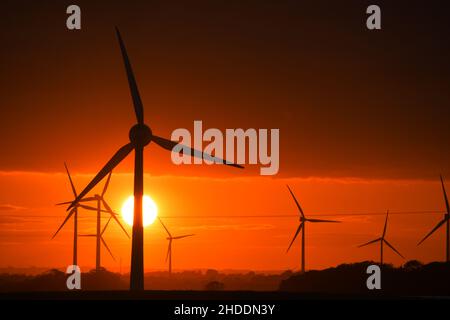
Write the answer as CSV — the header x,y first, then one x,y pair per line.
x,y
99,237
382,240
140,136
169,250
73,212
301,227
100,199
445,220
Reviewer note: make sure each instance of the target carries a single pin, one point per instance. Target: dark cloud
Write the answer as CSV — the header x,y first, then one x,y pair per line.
x,y
348,102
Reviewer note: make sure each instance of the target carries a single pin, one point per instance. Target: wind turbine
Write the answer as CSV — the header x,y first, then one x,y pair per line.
x,y
445,220
301,227
169,250
73,212
100,199
382,240
99,237
140,136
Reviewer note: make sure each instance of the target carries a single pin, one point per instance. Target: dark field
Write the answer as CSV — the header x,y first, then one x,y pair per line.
x,y
201,296
413,280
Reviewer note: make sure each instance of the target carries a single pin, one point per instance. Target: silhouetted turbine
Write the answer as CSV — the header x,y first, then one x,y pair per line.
x,y
140,136
446,220
73,212
99,236
301,227
383,240
100,199
169,250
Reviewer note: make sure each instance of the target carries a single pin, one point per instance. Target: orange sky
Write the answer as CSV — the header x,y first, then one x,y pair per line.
x,y
363,121
27,224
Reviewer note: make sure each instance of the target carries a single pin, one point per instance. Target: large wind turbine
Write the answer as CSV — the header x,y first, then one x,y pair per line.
x,y
445,220
382,240
73,212
140,136
301,227
99,236
169,250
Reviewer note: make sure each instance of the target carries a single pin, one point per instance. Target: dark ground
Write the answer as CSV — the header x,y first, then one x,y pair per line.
x,y
201,295
413,280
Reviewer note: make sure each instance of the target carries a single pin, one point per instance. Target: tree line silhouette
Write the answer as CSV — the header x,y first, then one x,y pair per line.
x,y
411,279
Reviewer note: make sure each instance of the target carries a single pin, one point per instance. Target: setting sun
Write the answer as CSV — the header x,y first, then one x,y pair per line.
x,y
149,207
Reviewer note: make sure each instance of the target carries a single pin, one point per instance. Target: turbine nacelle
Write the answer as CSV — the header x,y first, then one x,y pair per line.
x,y
140,135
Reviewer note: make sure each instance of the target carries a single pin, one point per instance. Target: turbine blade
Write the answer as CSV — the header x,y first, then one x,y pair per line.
x,y
385,224
167,230
296,202
432,231
87,207
445,195
185,236
71,182
169,145
91,208
137,103
82,200
114,216
107,248
106,225
106,184
65,220
320,220
390,246
295,236
115,160
63,203
370,242
88,199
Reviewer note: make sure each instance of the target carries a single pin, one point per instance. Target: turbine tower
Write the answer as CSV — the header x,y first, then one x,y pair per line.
x,y
140,136
383,240
445,220
301,227
73,212
170,238
100,236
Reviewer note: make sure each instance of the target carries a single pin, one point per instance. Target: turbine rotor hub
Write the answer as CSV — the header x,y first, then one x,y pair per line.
x,y
140,135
